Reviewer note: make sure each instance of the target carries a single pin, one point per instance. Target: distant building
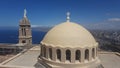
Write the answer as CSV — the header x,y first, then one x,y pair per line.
x,y
25,36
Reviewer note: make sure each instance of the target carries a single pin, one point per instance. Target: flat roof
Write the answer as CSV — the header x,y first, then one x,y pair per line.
x,y
110,60
29,59
11,46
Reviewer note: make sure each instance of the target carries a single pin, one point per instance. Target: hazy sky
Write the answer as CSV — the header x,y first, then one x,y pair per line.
x,y
52,12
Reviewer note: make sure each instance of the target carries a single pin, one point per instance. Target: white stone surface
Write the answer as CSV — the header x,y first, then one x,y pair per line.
x,y
69,34
28,59
110,60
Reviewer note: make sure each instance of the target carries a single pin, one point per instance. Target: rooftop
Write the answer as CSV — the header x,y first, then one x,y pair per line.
x,y
28,59
110,60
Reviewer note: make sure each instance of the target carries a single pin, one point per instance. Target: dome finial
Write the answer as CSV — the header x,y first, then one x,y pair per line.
x,y
25,12
68,16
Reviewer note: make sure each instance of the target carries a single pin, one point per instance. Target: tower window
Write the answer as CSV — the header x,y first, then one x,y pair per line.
x,y
24,32
23,41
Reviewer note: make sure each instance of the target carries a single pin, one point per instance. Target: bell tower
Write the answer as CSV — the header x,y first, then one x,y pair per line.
x,y
25,36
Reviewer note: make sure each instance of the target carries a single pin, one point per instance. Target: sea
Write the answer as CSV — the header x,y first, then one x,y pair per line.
x,y
10,36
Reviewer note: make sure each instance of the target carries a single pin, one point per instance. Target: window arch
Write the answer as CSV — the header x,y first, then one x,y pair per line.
x,y
78,55
93,53
68,55
50,53
58,51
44,51
86,54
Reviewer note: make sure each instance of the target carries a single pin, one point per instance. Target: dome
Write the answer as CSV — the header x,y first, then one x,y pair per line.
x,y
69,34
69,45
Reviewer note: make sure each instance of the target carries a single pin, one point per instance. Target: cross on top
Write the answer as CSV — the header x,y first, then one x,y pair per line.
x,y
68,16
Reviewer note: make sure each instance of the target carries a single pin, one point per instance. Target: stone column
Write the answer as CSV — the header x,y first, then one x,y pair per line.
x,y
72,56
95,52
42,51
20,32
63,55
82,55
90,54
47,52
27,32
54,54
30,31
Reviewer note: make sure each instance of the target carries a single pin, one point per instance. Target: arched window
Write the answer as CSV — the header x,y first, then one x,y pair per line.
x,y
58,54
50,53
86,54
78,55
68,55
93,53
44,51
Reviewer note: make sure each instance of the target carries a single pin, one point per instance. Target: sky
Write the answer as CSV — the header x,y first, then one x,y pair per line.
x,y
53,12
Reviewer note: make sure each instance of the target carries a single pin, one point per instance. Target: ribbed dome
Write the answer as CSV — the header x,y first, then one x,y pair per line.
x,y
69,34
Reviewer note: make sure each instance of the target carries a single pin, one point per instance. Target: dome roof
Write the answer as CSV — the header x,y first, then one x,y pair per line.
x,y
69,34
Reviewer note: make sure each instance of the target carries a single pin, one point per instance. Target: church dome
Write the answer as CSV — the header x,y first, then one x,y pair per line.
x,y
69,45
69,34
